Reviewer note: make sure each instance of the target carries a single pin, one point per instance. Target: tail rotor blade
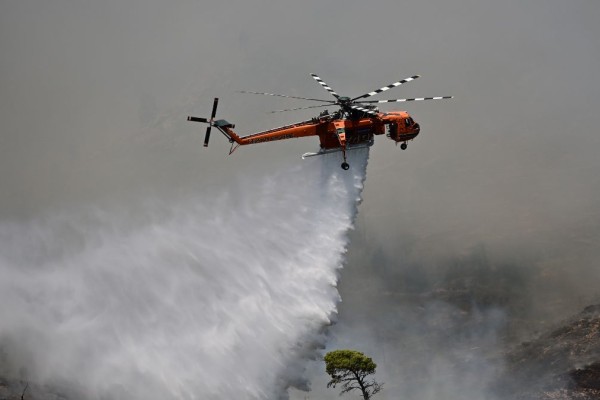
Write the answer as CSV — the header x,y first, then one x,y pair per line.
x,y
207,136
214,110
212,117
196,119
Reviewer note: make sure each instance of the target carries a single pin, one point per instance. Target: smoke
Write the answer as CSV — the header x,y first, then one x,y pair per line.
x,y
439,314
508,166
204,296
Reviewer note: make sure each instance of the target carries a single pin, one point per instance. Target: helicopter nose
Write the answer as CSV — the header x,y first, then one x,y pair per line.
x,y
416,128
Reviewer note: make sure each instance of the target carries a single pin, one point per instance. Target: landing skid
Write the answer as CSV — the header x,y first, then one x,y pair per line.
x,y
327,151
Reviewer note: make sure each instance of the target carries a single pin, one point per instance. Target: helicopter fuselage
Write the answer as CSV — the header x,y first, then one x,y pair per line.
x,y
400,128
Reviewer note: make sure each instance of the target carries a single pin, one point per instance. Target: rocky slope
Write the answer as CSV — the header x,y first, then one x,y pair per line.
x,y
563,363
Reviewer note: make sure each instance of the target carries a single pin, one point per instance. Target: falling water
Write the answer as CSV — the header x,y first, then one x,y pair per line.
x,y
215,296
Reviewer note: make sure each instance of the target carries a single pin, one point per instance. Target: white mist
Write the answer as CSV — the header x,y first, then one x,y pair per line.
x,y
215,296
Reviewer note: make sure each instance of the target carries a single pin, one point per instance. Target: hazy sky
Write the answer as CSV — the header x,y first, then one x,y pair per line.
x,y
94,97
79,81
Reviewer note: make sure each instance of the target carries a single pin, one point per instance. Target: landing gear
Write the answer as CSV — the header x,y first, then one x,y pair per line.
x,y
340,131
345,165
403,146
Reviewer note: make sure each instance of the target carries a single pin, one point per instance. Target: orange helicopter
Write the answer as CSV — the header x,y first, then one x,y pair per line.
x,y
352,126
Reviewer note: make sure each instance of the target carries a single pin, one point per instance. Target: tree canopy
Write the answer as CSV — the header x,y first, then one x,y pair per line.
x,y
350,369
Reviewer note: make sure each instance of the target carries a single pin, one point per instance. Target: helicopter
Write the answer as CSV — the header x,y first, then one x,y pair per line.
x,y
352,126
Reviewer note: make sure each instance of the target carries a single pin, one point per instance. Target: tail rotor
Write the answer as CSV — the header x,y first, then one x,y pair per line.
x,y
210,121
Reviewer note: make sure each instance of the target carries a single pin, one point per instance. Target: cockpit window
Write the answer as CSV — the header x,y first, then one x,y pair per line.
x,y
408,122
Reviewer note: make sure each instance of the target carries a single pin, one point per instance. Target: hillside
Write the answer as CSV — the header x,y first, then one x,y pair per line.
x,y
563,363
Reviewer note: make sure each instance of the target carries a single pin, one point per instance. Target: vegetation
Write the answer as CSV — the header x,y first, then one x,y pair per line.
x,y
350,369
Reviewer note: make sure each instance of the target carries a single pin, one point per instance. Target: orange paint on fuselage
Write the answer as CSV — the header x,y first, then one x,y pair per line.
x,y
401,128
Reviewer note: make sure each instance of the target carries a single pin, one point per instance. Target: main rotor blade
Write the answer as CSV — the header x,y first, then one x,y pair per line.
x,y
388,87
302,108
403,100
322,83
365,110
283,95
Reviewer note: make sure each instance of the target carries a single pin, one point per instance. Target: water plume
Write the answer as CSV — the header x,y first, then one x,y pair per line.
x,y
204,296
